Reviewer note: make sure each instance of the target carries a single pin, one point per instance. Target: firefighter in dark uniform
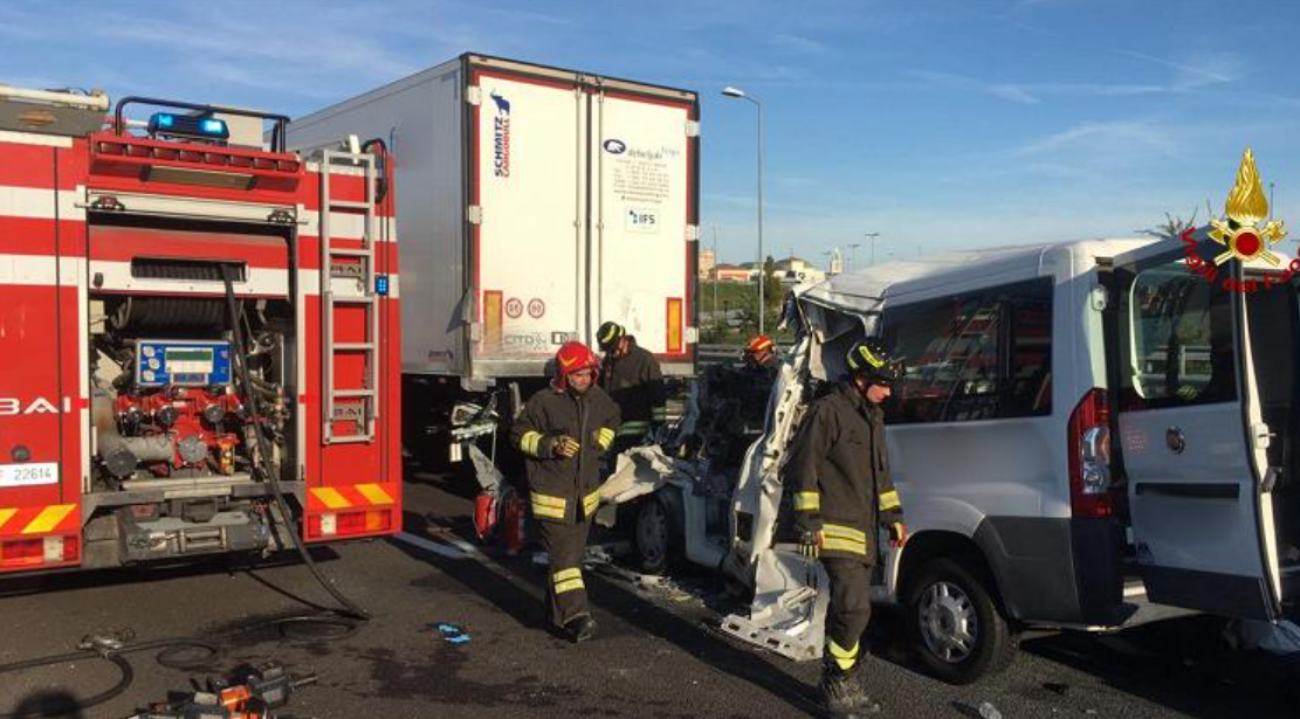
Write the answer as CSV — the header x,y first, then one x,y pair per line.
x,y
838,474
761,355
733,402
563,431
631,375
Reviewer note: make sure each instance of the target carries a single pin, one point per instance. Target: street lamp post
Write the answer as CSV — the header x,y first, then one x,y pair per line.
x,y
716,329
872,236
734,92
853,255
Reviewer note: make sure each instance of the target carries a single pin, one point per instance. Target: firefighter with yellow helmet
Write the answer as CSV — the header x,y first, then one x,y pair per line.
x,y
632,377
838,476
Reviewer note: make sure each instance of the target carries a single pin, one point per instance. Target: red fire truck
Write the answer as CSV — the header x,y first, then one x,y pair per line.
x,y
198,334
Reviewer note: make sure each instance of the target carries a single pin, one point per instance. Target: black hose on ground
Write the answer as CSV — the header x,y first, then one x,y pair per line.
x,y
350,608
126,675
111,649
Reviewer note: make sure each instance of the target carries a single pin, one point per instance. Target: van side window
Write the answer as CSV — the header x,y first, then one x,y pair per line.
x,y
979,355
1176,340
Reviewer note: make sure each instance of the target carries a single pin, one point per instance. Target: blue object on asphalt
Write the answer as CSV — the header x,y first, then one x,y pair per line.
x,y
452,633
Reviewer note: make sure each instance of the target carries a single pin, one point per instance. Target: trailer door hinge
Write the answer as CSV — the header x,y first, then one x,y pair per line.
x,y
474,214
692,128
692,233
474,95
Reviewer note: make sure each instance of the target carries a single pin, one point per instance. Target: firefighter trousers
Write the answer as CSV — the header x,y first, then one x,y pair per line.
x,y
566,547
850,609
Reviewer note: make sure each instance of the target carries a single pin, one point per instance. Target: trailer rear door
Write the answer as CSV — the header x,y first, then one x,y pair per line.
x,y
529,246
644,269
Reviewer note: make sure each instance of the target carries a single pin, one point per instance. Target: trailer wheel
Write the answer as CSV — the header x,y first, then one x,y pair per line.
x,y
654,535
956,627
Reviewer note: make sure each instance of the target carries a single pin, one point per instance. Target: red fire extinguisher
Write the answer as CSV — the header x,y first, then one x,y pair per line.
x,y
514,523
486,505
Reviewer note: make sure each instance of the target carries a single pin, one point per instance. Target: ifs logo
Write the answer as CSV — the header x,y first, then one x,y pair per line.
x,y
501,137
641,220
1240,236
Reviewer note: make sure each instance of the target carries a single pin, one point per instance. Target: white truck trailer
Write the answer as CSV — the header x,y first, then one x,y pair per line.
x,y
534,203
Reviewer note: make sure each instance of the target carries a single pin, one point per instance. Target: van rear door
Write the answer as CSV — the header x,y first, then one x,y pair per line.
x,y
1191,437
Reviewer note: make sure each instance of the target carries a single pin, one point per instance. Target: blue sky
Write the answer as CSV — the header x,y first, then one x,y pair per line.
x,y
944,123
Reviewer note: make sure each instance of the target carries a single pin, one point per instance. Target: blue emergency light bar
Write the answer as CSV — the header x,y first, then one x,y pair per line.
x,y
193,126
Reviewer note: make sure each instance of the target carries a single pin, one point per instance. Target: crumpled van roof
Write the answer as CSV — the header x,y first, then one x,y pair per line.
x,y
865,290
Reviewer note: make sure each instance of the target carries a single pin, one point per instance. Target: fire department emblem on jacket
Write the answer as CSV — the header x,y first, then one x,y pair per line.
x,y
1240,232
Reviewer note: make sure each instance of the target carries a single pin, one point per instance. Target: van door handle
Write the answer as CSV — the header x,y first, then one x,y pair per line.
x,y
1260,437
1175,440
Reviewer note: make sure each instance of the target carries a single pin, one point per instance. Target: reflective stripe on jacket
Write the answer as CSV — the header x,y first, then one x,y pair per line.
x,y
838,474
565,489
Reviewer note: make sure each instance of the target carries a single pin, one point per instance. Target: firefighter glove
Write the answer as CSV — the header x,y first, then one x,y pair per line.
x,y
897,534
566,446
810,544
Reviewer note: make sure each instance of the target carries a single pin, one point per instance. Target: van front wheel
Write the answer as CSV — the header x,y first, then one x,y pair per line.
x,y
956,628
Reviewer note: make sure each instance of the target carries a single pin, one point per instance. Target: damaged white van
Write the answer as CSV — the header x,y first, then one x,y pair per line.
x,y
1083,429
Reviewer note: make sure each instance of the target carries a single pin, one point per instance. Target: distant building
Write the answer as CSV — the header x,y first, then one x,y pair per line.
x,y
795,270
707,260
734,273
798,277
792,264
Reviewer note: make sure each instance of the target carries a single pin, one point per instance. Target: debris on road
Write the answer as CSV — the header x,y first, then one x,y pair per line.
x,y
988,711
452,634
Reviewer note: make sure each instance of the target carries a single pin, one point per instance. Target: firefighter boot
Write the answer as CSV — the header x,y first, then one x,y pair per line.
x,y
841,692
580,628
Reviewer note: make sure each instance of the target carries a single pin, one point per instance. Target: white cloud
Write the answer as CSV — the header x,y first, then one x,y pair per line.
x,y
1104,139
799,43
1014,93
1003,91
1209,69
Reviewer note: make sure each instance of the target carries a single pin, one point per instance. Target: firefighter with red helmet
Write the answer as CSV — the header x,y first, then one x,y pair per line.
x,y
838,475
632,377
761,353
563,430
733,404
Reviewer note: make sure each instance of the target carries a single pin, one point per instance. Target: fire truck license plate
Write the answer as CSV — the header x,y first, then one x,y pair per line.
x,y
29,475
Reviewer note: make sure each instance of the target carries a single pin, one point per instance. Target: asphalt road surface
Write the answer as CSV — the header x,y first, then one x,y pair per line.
x,y
656,654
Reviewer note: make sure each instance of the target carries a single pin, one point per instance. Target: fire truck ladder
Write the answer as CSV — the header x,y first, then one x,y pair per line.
x,y
348,280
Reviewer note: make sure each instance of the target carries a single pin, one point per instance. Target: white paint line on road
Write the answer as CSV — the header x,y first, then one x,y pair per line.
x,y
463,546
457,552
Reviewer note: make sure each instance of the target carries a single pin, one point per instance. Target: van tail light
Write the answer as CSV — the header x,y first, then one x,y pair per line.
x,y
1089,449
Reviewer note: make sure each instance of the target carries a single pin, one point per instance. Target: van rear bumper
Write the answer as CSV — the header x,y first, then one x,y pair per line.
x,y
1060,571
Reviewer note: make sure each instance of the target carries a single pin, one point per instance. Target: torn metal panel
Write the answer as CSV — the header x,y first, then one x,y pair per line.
x,y
788,615
758,491
489,477
638,472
